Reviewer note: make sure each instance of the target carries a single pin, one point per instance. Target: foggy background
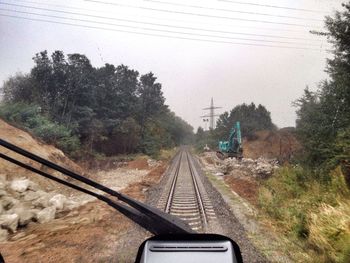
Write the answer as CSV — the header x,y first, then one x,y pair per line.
x,y
193,65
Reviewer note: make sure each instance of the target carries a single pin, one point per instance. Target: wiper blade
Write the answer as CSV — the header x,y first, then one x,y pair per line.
x,y
150,218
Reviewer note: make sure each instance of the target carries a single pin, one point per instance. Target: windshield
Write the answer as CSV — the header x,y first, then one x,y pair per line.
x,y
162,116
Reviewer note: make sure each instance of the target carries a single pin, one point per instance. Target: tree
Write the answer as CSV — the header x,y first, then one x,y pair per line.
x,y
19,88
323,116
251,118
109,109
151,99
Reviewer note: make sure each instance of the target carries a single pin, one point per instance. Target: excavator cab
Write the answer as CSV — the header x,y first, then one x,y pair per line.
x,y
232,147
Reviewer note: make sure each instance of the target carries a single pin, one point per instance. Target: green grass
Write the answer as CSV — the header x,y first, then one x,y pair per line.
x,y
167,154
309,211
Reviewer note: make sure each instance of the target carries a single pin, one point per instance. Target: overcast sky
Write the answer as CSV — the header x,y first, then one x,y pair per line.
x,y
197,49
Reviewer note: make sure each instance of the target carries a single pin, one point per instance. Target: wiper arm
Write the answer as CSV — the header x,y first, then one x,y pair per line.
x,y
150,218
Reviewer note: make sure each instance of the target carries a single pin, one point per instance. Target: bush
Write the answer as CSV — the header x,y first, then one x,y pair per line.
x,y
30,118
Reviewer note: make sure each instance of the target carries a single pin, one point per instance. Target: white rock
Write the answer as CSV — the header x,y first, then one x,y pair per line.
x,y
58,201
247,161
151,162
31,195
69,205
2,185
9,221
3,235
25,215
43,200
2,193
219,174
7,202
33,186
3,178
46,215
20,185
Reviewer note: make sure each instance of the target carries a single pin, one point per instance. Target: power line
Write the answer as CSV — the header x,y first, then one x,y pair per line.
x,y
157,24
159,35
230,10
166,19
152,29
201,15
273,6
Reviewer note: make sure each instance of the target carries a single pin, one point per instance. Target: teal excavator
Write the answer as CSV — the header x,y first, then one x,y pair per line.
x,y
232,147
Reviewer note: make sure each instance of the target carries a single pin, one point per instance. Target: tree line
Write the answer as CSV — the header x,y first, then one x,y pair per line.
x,y
323,122
109,110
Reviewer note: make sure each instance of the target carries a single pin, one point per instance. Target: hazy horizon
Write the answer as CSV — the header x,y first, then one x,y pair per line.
x,y
191,72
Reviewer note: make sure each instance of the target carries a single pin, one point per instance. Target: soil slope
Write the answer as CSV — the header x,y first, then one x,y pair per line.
x,y
281,144
24,140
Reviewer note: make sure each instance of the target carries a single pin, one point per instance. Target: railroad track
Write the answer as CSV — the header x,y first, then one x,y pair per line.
x,y
184,194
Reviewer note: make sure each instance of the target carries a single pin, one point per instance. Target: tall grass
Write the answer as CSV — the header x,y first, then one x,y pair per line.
x,y
311,211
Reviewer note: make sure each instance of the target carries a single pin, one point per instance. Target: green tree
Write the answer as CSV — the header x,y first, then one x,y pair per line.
x,y
109,109
323,116
252,119
151,99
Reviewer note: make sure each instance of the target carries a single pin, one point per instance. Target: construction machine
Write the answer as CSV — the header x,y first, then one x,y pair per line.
x,y
232,147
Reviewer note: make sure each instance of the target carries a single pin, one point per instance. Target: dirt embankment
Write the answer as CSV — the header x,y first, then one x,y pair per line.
x,y
88,233
25,140
281,144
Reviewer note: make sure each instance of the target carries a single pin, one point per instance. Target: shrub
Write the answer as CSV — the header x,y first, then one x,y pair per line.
x,y
30,118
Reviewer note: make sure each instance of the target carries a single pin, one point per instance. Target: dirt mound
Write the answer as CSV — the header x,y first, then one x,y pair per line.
x,y
281,144
246,188
26,141
140,164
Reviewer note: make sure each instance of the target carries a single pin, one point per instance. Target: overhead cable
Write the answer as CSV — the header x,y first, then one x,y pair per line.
x,y
232,11
163,36
153,24
163,18
200,14
273,6
158,30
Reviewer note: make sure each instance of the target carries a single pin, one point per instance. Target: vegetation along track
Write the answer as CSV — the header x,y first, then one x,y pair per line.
x,y
184,194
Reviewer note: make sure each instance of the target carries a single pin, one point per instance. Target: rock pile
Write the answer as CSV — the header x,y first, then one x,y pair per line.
x,y
22,202
153,163
258,168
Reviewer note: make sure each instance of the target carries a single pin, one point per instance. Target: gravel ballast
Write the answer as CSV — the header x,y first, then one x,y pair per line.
x,y
229,225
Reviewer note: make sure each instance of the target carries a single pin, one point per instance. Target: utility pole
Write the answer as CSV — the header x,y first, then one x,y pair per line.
x,y
211,114
205,123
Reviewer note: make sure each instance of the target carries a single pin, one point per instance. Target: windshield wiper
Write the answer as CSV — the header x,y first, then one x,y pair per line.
x,y
150,218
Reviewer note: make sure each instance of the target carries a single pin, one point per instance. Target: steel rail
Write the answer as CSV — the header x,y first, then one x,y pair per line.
x,y
173,184
186,197
164,222
198,192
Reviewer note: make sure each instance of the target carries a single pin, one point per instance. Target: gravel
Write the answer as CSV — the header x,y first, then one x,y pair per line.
x,y
228,223
231,227
126,248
